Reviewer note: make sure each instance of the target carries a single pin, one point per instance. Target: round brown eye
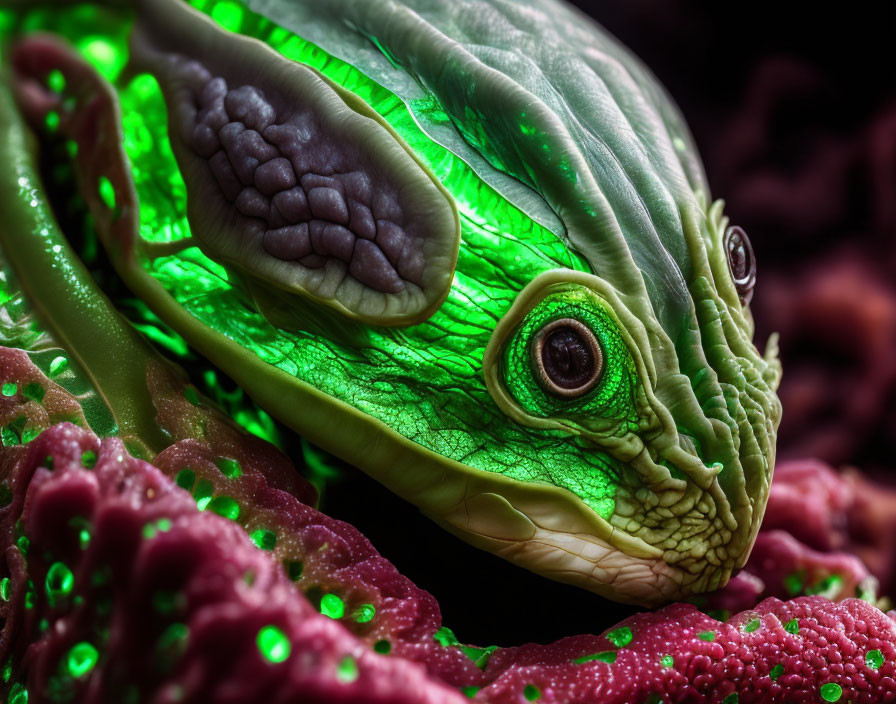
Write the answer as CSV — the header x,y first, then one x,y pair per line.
x,y
567,358
742,262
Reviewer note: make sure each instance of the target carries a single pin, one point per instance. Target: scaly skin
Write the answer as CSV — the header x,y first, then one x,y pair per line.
x,y
578,196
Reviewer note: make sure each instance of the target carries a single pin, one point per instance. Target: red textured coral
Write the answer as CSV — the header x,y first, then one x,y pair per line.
x,y
777,652
174,599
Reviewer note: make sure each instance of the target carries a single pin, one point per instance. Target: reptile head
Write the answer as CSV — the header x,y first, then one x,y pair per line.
x,y
470,250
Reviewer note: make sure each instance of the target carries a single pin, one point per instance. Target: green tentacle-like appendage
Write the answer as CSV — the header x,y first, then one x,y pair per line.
x,y
568,381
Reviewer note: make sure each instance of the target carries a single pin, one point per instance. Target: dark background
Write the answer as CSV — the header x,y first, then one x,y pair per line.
x,y
794,112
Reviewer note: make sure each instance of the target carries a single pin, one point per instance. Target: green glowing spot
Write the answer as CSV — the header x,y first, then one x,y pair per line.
x,y
347,670
82,526
174,637
5,585
273,644
164,601
48,462
752,625
11,434
71,148
56,81
264,539
479,656
831,692
792,626
620,637
105,56
829,587
52,121
203,493
18,694
667,661
153,528
106,191
229,468
228,14
7,671
258,423
167,339
59,583
795,582
531,693
776,672
364,613
10,388
470,691
23,544
29,434
607,656
225,506
293,569
445,637
185,479
332,606
43,625
730,699
34,392
172,644
58,365
88,459
383,647
81,659
874,659
191,395
709,636
319,466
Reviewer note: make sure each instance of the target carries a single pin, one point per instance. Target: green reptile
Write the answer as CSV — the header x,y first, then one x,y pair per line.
x,y
467,247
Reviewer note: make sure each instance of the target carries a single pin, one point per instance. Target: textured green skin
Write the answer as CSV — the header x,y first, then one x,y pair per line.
x,y
61,290
583,181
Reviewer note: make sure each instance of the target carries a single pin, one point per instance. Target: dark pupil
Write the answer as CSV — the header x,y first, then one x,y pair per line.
x,y
567,359
737,257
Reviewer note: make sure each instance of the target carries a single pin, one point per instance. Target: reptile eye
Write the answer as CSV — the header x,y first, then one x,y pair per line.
x,y
742,262
567,358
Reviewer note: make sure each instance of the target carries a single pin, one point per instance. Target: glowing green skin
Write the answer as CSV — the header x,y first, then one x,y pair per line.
x,y
668,460
612,399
